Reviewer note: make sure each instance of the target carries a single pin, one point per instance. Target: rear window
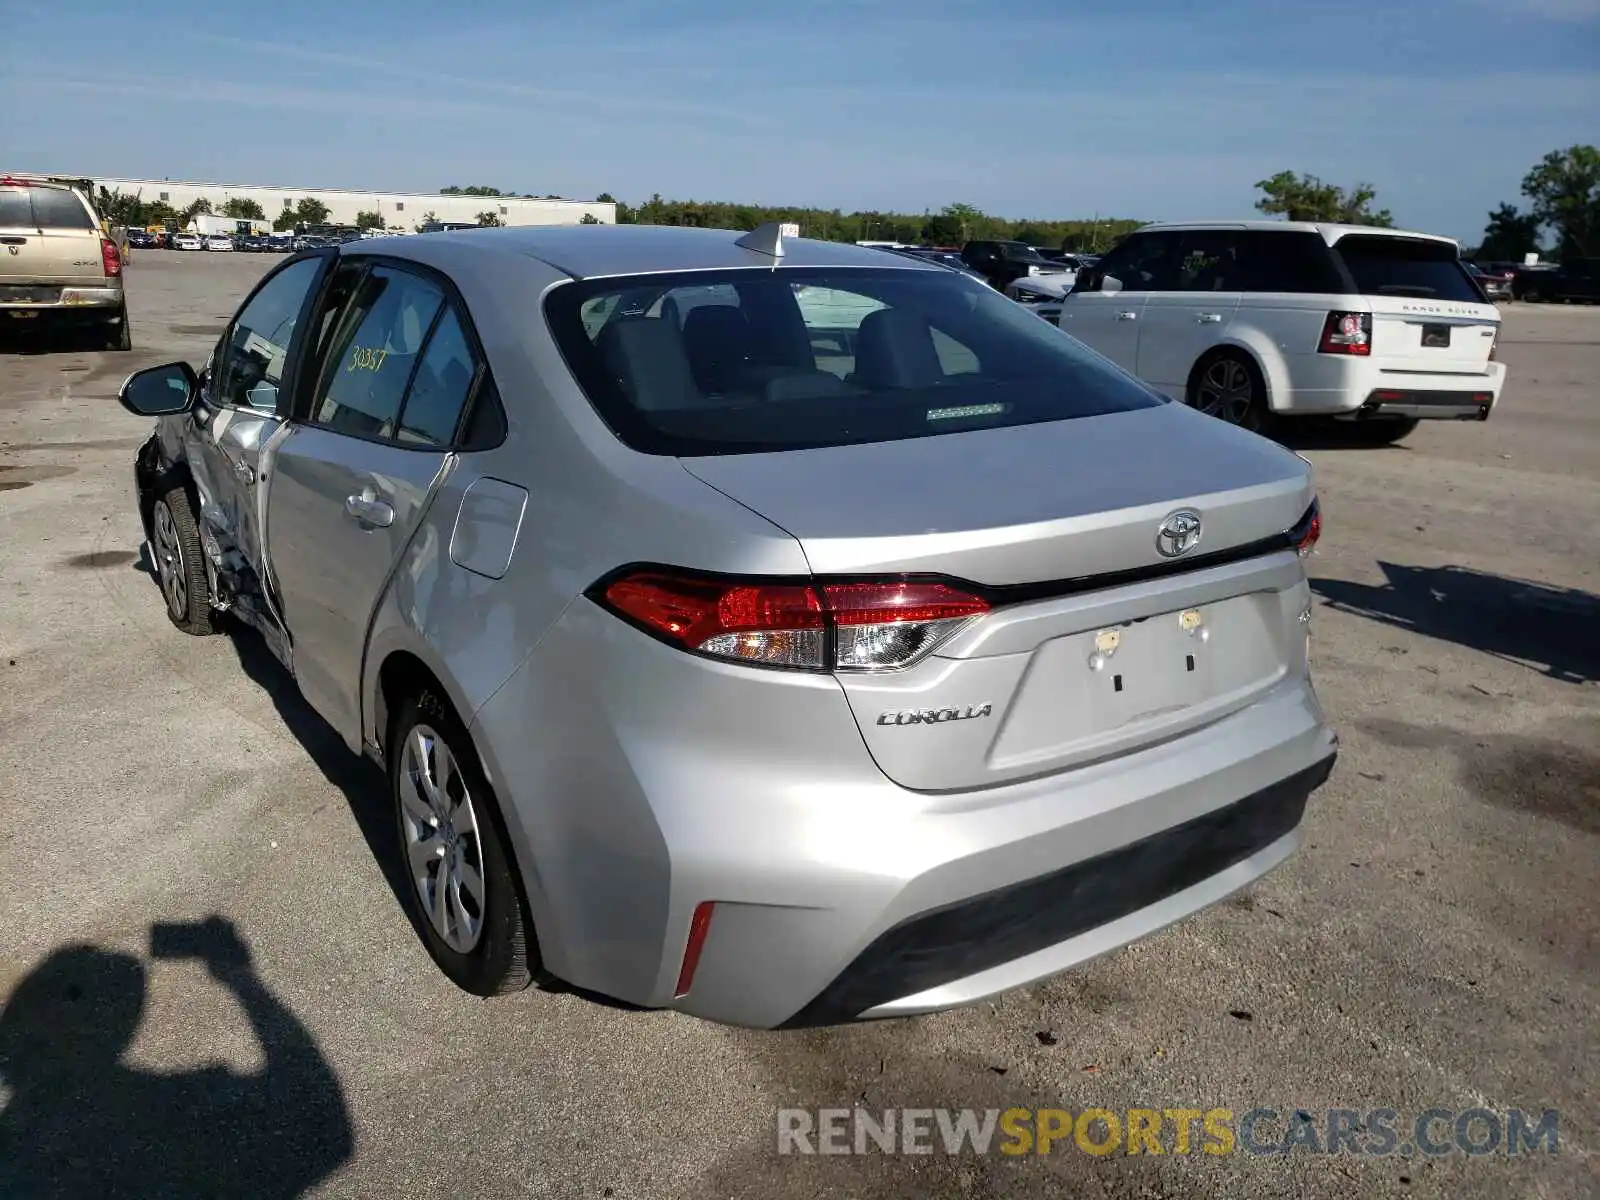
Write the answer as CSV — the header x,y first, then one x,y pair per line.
x,y
43,208
1394,266
733,362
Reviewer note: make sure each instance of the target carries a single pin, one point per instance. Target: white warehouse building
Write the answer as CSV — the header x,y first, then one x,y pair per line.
x,y
399,210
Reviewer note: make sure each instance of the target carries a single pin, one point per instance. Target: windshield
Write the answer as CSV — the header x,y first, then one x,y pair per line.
x,y
1017,252
1397,266
733,362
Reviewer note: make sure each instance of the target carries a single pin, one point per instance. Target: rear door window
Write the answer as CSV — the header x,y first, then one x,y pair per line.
x,y
15,210
375,352
1296,262
1398,266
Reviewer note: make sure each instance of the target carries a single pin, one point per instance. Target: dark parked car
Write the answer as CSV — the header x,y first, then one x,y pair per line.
x,y
1000,263
142,239
943,257
1496,286
1577,280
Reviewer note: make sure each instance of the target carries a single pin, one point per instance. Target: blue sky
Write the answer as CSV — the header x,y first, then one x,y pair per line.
x,y
1046,108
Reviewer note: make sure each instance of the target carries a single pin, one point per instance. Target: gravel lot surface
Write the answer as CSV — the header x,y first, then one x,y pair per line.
x,y
1436,942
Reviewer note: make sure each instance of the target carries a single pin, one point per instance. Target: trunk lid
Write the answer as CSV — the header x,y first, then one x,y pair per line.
x,y
1427,314
49,238
1097,644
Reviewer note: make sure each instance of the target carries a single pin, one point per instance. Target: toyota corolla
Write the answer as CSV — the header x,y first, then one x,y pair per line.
x,y
754,626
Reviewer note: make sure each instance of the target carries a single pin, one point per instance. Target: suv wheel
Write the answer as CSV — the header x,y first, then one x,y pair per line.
x,y
119,335
464,890
180,569
1229,387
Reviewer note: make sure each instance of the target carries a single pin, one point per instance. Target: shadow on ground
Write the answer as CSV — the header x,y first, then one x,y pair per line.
x,y
81,1122
1552,628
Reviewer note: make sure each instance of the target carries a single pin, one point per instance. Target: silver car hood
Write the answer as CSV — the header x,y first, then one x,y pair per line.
x,y
1060,500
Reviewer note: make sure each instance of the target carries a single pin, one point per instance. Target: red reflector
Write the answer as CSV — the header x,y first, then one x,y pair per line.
x,y
1482,397
109,258
883,603
1388,395
699,926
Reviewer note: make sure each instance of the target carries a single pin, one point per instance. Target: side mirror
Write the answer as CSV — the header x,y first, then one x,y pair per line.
x,y
1087,280
159,391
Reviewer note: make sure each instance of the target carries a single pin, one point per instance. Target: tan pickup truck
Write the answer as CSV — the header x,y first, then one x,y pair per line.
x,y
57,266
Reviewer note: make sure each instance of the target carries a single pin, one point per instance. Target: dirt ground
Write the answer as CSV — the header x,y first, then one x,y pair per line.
x,y
1435,943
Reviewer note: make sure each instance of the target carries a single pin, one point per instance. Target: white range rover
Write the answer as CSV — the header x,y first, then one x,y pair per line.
x,y
1255,319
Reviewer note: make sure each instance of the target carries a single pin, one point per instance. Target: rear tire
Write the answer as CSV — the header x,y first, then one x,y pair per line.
x,y
179,563
1384,431
1228,385
119,336
464,893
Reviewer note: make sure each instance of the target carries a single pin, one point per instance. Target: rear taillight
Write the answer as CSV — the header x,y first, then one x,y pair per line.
x,y
1494,345
1347,333
1303,537
109,257
809,625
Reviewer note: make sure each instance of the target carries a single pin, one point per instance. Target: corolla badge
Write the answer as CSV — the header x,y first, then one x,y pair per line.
x,y
935,716
1179,533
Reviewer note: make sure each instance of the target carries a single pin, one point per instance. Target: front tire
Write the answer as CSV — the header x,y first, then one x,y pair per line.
x,y
180,567
464,889
1229,386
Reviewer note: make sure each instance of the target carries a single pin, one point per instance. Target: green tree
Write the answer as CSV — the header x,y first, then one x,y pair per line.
x,y
117,208
490,219
1509,235
310,211
1563,190
1307,198
428,218
369,220
588,219
159,212
475,190
194,210
243,208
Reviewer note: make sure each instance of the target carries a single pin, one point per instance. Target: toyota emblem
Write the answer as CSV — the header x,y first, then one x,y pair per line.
x,y
1179,533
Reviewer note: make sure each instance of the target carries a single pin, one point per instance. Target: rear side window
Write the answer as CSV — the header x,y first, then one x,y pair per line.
x,y
57,208
1397,266
730,362
1296,262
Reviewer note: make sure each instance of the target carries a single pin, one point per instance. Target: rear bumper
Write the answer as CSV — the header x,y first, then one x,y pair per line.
x,y
1330,385
1040,926
96,300
639,782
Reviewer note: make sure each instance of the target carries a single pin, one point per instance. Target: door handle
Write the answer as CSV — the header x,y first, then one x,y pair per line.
x,y
367,509
1127,316
1210,318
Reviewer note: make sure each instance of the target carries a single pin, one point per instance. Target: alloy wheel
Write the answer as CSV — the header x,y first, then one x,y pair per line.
x,y
443,848
1225,391
170,567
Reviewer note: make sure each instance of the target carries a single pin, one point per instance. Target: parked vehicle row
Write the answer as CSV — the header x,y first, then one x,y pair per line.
x,y
1000,697
1577,280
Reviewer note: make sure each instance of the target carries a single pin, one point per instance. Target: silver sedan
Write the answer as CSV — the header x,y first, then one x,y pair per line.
x,y
769,629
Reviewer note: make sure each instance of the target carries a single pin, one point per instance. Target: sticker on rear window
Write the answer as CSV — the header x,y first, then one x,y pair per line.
x,y
969,410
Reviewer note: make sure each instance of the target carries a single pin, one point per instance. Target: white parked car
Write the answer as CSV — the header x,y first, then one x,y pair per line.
x,y
1043,293
188,241
1251,319
219,241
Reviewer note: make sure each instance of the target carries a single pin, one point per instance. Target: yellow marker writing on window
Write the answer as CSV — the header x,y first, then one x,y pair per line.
x,y
365,358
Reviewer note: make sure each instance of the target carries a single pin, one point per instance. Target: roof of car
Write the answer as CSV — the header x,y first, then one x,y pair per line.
x,y
590,251
1330,232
